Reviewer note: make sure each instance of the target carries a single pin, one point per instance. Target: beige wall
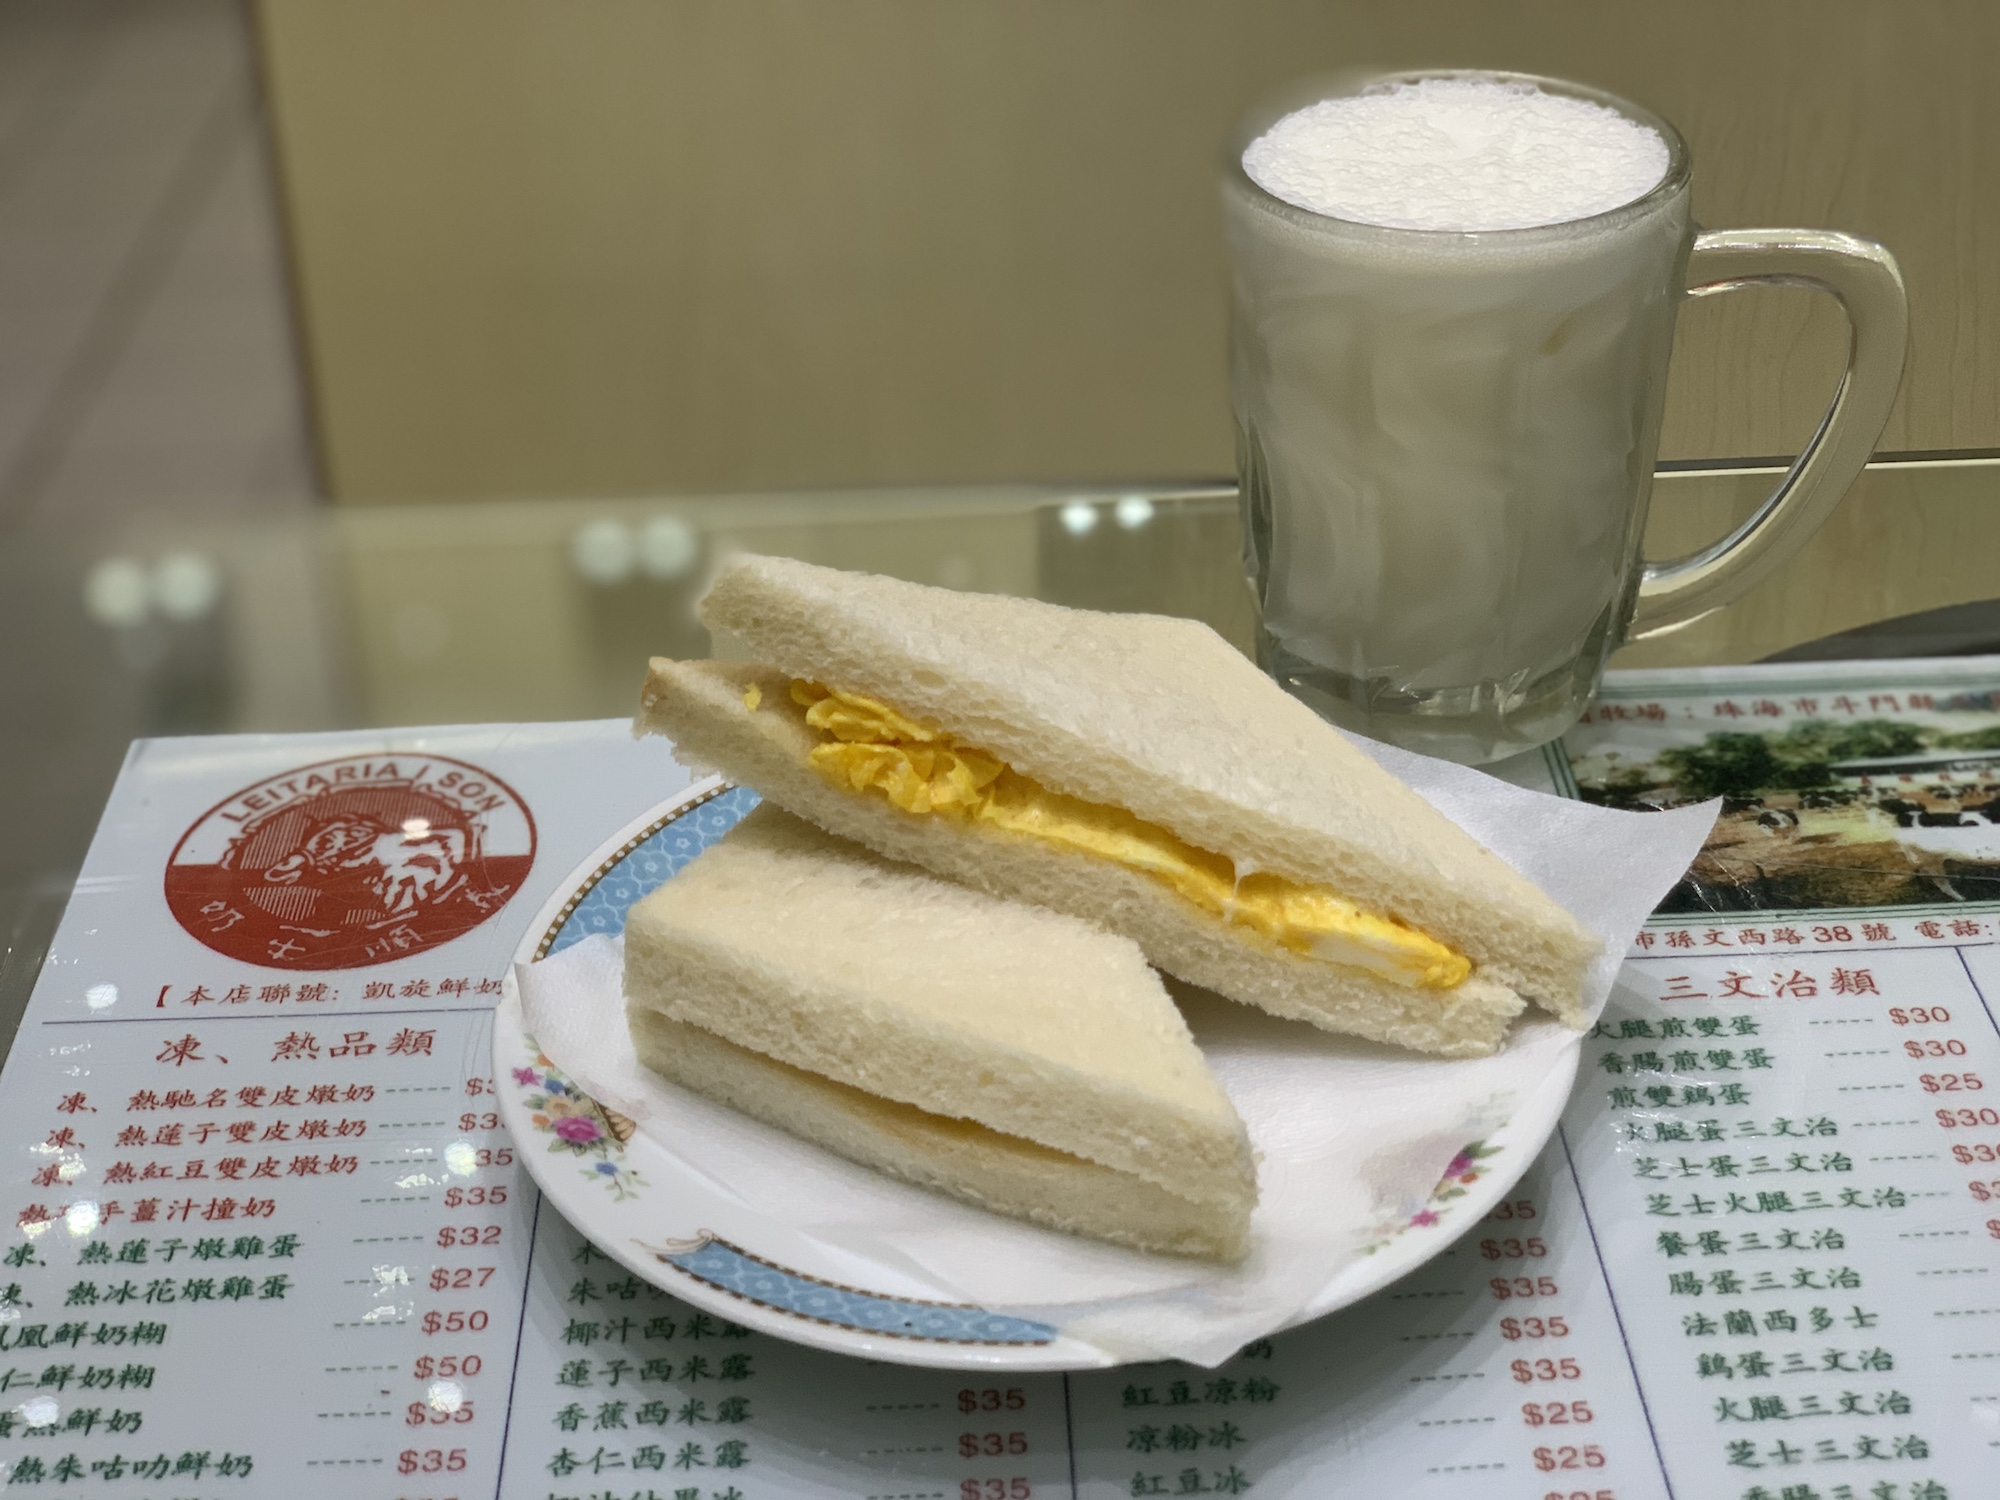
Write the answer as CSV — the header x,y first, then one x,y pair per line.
x,y
642,245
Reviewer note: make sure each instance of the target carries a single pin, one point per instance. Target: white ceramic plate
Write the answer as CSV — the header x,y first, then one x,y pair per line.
x,y
635,1199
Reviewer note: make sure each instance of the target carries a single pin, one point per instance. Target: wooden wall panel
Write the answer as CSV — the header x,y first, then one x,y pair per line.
x,y
641,245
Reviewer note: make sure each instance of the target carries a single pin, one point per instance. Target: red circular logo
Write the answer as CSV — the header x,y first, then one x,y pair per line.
x,y
351,862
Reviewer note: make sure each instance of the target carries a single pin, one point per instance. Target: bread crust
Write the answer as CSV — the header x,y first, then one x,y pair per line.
x,y
817,953
700,705
1000,1173
1162,717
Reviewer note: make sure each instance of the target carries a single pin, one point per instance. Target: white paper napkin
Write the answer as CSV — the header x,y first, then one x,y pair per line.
x,y
1351,1136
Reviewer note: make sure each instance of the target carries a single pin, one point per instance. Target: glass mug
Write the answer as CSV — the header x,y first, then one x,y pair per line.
x,y
1446,441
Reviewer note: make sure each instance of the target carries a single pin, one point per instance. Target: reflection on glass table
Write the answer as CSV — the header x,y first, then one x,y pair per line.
x,y
503,611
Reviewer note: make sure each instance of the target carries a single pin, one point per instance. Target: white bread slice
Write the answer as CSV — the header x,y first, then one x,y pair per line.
x,y
1162,717
700,705
1000,1173
815,952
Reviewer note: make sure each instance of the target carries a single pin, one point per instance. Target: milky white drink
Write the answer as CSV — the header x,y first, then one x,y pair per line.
x,y
1454,302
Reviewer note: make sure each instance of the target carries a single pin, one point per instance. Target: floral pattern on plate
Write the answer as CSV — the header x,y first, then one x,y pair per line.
x,y
580,1125
1462,1171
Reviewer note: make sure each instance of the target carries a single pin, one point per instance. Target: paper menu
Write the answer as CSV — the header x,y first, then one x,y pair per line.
x,y
345,1285
263,1225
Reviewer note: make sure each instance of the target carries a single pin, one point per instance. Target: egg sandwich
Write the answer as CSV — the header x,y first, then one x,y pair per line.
x,y
1132,770
1020,1060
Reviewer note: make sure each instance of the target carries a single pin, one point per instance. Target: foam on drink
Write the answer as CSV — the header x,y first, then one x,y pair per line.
x,y
1457,154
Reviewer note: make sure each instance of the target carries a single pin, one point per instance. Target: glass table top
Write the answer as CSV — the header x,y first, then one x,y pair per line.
x,y
517,610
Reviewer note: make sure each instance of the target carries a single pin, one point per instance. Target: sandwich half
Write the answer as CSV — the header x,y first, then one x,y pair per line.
x,y
1017,1059
1132,770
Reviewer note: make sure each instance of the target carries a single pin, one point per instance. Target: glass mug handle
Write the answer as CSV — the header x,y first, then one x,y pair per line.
x,y
1862,276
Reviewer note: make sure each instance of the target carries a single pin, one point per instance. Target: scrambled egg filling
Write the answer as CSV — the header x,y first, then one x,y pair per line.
x,y
869,746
